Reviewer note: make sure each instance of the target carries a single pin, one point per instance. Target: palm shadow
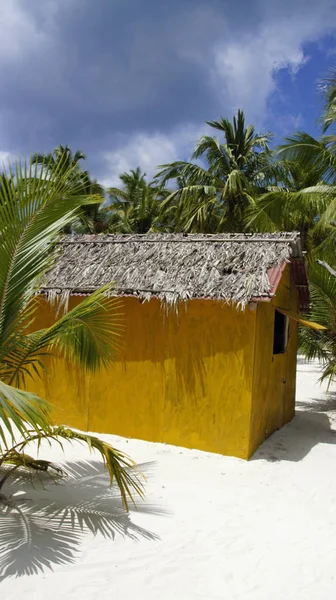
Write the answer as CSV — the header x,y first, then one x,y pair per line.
x,y
324,405
311,425
43,522
296,439
314,367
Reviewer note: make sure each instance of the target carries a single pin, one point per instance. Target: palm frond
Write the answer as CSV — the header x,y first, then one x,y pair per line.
x,y
321,345
32,214
328,88
118,194
225,126
285,210
88,334
121,468
137,206
36,202
310,152
20,411
235,184
193,173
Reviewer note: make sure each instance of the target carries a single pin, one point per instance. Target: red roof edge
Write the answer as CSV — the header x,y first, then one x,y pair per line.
x,y
299,275
274,276
298,267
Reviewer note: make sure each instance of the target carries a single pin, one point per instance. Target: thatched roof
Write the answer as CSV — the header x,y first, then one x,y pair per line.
x,y
172,267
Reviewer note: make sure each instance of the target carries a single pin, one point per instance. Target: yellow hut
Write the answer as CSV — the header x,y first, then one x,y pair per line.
x,y
208,356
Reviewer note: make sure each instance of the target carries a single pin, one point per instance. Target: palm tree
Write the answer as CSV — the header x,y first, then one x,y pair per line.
x,y
35,205
293,201
321,344
195,212
93,218
304,196
61,159
216,196
136,207
328,88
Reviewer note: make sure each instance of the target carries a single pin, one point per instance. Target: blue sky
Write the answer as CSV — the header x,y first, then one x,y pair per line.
x,y
131,82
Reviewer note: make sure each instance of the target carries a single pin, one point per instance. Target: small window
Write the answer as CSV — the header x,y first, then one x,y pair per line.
x,y
280,336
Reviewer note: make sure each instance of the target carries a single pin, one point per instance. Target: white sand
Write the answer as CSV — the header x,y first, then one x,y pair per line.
x,y
264,529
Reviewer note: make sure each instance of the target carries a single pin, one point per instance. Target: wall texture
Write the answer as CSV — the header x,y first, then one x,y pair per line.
x,y
184,379
273,398
204,377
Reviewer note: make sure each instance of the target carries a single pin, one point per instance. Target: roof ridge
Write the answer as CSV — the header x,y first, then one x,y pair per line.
x,y
173,238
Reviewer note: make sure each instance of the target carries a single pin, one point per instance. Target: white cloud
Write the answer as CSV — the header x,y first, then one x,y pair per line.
x,y
244,67
31,51
5,156
246,72
242,63
147,151
16,30
229,49
287,123
21,32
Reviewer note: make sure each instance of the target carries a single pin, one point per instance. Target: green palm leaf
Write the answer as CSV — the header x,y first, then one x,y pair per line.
x,y
121,468
88,334
321,345
19,412
238,169
37,201
328,88
137,207
31,217
310,152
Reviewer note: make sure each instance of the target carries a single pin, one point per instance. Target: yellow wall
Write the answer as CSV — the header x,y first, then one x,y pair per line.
x,y
203,378
273,399
183,379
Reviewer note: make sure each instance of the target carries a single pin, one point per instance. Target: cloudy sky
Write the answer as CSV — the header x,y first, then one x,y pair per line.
x,y
131,82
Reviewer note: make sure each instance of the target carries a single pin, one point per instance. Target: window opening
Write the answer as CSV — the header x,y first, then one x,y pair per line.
x,y
280,336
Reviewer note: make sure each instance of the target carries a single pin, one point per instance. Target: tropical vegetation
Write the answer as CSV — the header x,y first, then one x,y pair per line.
x,y
38,200
233,182
137,206
214,195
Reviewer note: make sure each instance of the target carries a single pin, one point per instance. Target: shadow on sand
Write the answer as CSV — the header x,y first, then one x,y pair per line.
x,y
310,426
294,441
43,524
314,366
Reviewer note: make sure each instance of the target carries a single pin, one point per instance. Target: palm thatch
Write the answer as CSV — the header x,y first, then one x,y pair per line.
x,y
172,267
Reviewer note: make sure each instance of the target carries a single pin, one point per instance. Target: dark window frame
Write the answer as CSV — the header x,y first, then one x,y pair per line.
x,y
280,333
